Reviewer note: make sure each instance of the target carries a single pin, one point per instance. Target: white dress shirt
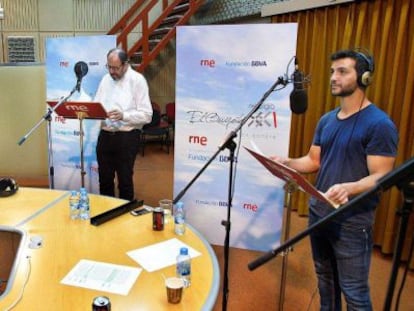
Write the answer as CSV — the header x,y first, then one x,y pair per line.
x,y
130,95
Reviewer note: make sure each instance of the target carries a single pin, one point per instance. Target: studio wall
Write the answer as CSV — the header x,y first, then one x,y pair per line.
x,y
22,98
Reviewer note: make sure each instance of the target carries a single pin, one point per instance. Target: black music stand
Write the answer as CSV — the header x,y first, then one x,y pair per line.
x,y
80,111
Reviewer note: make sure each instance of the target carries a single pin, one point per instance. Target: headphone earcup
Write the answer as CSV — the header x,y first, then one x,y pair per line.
x,y
8,187
365,79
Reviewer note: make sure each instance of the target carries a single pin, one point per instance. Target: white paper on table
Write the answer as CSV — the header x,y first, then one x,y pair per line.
x,y
102,276
160,255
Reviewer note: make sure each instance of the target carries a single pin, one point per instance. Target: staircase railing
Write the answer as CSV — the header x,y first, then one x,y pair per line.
x,y
156,33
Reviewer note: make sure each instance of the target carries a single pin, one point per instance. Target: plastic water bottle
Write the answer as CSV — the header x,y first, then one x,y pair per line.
x,y
179,219
84,210
183,267
74,204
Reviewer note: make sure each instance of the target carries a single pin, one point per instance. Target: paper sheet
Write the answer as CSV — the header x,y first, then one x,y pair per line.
x,y
160,255
102,276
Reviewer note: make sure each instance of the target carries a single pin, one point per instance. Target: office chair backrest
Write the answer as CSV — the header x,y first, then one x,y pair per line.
x,y
170,112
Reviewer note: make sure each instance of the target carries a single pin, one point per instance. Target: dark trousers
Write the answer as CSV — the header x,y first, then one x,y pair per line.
x,y
116,152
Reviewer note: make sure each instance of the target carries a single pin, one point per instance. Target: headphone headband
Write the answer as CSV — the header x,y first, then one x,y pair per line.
x,y
365,77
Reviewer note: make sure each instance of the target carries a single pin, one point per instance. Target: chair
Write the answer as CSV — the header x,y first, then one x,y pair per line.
x,y
169,116
170,113
158,130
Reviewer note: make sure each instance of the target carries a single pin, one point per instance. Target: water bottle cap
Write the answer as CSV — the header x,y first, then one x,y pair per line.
x,y
183,251
179,204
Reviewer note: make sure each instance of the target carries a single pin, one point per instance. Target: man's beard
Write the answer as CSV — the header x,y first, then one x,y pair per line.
x,y
115,77
346,91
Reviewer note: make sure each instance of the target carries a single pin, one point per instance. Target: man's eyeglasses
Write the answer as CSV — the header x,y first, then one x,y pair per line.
x,y
114,68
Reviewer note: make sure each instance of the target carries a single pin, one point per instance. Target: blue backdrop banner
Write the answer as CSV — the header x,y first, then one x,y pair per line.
x,y
62,54
222,72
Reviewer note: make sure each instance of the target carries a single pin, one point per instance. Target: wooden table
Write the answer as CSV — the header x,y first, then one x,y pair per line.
x,y
45,213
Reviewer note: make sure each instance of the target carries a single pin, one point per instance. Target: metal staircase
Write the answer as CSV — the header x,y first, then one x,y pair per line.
x,y
156,20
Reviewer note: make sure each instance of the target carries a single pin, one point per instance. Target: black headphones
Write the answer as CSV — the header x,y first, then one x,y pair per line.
x,y
365,67
8,187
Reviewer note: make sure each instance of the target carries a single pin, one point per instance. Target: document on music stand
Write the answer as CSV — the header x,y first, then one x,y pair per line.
x,y
289,175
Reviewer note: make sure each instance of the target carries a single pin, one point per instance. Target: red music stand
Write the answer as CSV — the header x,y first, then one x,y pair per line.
x,y
293,180
80,111
290,175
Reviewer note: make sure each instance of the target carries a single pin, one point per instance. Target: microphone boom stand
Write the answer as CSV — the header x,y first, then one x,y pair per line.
x,y
231,145
47,117
408,191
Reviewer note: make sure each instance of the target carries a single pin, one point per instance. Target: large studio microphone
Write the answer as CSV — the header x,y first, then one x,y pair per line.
x,y
298,96
81,69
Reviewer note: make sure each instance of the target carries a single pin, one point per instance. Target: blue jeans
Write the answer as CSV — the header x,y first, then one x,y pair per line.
x,y
342,258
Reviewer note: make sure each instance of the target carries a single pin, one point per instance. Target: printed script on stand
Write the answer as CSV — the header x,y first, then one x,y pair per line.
x,y
289,175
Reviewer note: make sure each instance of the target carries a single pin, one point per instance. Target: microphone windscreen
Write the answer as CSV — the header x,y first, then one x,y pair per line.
x,y
298,101
81,69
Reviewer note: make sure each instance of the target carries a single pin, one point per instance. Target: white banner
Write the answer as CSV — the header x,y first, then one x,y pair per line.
x,y
62,55
223,71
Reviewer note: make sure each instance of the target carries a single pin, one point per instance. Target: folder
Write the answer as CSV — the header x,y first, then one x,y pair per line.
x,y
79,110
290,175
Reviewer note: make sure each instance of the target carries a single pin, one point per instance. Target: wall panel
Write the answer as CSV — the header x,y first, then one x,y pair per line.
x,y
98,15
22,97
20,15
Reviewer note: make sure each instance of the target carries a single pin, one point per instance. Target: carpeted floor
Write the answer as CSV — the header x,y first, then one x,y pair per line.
x,y
260,289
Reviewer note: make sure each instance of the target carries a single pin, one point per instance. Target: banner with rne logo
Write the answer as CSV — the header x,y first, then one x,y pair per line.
x,y
62,55
222,72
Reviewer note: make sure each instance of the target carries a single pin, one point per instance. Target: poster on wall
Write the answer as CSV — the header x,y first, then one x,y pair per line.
x,y
222,72
63,55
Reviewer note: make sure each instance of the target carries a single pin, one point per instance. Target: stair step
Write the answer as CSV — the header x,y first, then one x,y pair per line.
x,y
139,59
154,41
161,31
181,8
172,19
135,65
137,56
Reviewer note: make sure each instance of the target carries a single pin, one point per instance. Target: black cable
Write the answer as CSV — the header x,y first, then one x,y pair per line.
x,y
355,122
410,256
350,135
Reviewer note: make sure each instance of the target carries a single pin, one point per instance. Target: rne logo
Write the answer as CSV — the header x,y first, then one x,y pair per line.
x,y
208,63
200,140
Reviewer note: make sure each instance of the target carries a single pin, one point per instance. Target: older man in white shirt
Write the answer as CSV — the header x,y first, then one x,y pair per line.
x,y
124,94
